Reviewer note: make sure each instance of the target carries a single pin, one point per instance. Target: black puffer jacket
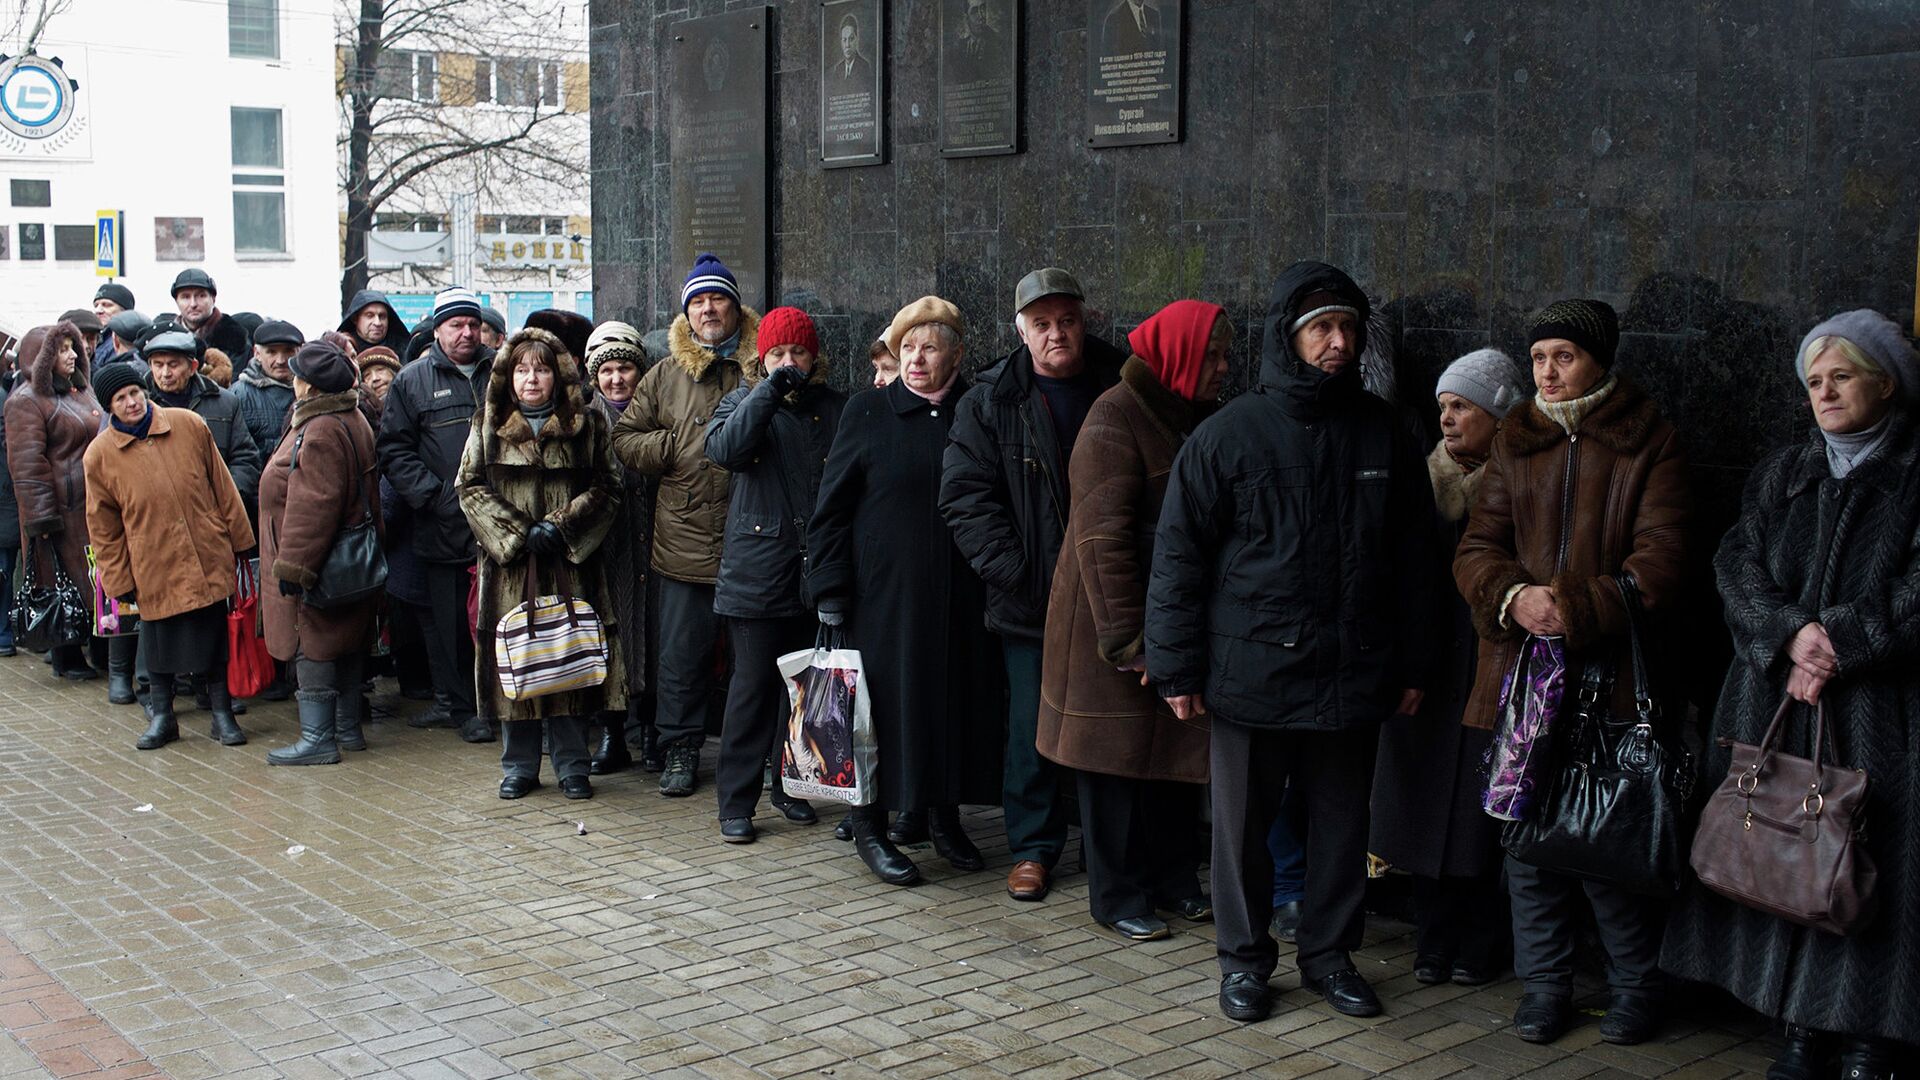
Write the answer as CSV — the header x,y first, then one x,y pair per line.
x,y
227,419
1293,575
1003,486
423,430
775,448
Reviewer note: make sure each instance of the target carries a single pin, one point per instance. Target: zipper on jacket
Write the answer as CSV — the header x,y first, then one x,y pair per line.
x,y
1033,439
1566,502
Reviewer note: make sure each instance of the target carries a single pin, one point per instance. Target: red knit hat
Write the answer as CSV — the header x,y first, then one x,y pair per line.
x,y
1173,342
787,326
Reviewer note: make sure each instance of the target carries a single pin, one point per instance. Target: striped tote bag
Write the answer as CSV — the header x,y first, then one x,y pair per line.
x,y
549,644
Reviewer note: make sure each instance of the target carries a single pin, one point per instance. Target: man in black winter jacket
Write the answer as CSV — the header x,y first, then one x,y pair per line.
x,y
195,294
1003,491
1291,590
423,430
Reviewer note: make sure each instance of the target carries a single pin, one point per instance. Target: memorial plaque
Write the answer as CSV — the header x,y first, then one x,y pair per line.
x,y
717,137
1133,71
853,45
979,77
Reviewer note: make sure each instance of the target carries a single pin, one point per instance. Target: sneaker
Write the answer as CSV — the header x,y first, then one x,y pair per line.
x,y
682,770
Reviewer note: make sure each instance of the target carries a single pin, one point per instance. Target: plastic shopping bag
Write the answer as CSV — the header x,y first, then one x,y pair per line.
x,y
829,750
1520,760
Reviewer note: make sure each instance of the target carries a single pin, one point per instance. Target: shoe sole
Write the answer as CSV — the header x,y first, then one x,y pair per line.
x,y
518,794
1246,1016
1160,936
748,839
578,795
1359,1011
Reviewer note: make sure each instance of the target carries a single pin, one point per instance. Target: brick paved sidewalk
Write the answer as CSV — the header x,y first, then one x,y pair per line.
x,y
194,911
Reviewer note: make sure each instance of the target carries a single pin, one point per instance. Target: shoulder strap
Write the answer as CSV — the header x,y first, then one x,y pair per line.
x,y
361,492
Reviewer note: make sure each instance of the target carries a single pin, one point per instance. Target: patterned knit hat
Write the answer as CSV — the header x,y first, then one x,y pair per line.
x,y
787,326
709,274
614,340
1590,324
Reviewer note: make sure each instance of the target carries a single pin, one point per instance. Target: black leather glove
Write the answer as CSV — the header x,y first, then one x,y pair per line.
x,y
544,539
833,611
291,588
787,379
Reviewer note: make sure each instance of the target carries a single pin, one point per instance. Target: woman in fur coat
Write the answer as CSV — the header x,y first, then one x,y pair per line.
x,y
539,484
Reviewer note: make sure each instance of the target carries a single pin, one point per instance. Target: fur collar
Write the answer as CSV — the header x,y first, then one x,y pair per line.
x,y
1171,413
1454,488
695,358
515,429
1622,423
323,405
40,371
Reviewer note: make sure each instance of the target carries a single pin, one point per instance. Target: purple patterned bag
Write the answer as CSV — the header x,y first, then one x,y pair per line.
x,y
1520,757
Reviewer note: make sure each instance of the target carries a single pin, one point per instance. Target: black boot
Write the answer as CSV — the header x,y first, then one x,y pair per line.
x,y
203,697
349,714
162,728
881,857
1804,1057
950,840
844,831
318,724
120,669
651,757
439,715
1867,1059
612,755
909,827
225,728
70,662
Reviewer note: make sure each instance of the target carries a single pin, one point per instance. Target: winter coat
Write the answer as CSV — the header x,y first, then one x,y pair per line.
x,y
49,423
423,431
224,418
397,332
265,405
1092,715
406,574
1628,511
1845,554
775,449
231,338
9,508
1428,775
916,609
663,433
322,480
166,520
1292,579
1003,486
510,479
625,557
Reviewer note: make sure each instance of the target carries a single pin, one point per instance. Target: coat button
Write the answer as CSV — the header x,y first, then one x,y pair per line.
x,y
699,419
703,464
935,412
756,528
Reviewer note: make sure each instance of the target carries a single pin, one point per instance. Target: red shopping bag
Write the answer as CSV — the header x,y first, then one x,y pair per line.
x,y
249,665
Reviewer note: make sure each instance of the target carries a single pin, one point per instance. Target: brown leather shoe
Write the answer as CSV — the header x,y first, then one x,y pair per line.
x,y
1027,881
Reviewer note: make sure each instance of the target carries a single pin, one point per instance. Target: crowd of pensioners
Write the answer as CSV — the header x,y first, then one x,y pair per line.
x,y
1082,588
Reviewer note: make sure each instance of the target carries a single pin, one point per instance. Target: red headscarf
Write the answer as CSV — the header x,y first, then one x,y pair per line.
x,y
1173,342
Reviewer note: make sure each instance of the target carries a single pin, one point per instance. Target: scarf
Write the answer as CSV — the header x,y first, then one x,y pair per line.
x,y
139,430
1568,414
617,406
725,349
537,415
258,376
181,400
934,397
1848,452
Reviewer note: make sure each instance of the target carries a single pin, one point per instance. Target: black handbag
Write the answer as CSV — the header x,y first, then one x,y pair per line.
x,y
1613,810
49,616
356,566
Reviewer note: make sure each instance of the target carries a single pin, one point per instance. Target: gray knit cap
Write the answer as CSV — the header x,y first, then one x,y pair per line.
x,y
1875,335
1486,377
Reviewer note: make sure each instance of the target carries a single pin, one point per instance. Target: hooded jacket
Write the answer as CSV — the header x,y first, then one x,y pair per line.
x,y
1293,579
49,422
221,410
775,449
397,332
423,429
664,433
1003,485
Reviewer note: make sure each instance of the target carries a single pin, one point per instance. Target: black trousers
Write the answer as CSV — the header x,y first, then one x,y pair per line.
x,y
1141,843
689,633
1461,919
449,641
566,737
757,707
1332,775
1545,910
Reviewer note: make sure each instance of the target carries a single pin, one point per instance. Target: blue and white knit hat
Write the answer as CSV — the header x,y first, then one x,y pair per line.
x,y
709,275
453,301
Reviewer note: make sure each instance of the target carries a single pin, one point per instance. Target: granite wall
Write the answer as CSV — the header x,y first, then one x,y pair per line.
x,y
1722,171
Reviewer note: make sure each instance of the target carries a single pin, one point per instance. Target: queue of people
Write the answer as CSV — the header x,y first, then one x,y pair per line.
x,y
1080,585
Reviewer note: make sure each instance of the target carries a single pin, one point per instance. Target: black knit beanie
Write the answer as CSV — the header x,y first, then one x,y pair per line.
x,y
1590,324
110,379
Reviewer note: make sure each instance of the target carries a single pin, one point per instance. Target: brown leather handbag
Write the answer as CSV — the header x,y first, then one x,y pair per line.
x,y
1782,834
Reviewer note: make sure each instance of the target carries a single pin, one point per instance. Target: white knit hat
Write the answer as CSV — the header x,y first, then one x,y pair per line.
x,y
1486,377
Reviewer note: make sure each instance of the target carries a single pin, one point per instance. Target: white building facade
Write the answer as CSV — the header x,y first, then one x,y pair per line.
x,y
207,128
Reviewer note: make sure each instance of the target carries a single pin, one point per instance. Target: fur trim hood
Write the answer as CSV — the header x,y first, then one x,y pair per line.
x,y
1454,488
695,358
40,370
503,420
1622,423
215,365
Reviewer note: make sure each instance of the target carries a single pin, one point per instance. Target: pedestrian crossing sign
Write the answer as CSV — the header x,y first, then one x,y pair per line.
x,y
108,237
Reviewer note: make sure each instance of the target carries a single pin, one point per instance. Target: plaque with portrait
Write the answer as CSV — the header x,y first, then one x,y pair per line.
x,y
853,43
979,77
1133,72
717,139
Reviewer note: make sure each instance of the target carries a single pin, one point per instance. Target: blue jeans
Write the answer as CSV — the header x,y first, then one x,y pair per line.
x,y
1289,855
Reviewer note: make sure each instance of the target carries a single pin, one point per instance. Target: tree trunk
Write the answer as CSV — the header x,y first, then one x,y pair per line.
x,y
360,99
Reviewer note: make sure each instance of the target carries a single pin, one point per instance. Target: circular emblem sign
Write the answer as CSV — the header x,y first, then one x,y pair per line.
x,y
36,97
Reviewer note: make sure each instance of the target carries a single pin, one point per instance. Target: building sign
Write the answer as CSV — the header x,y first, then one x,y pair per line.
x,y
40,111
717,128
853,43
516,250
179,239
1133,72
979,77
108,227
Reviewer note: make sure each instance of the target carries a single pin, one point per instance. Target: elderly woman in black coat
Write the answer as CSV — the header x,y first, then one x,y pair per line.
x,y
1821,580
884,565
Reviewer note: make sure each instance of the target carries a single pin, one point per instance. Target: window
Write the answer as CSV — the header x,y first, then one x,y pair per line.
x,y
413,76
410,223
259,196
33,241
32,192
253,28
523,224
73,243
522,82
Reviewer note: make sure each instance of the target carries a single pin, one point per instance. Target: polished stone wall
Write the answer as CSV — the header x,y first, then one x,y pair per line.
x,y
1722,171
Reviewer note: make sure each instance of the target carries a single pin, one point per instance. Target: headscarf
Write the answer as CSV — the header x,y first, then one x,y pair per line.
x,y
1173,343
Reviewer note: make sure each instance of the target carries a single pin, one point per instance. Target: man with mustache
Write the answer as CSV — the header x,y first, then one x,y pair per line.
x,y
663,433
